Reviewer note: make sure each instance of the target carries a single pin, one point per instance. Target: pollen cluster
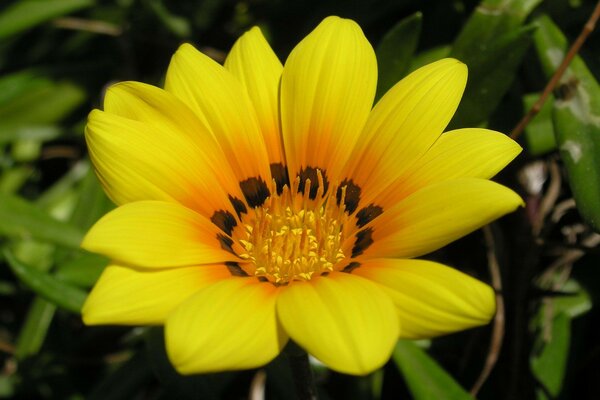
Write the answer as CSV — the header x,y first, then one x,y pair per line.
x,y
293,237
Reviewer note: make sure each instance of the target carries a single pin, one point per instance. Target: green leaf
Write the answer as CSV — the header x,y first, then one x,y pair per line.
x,y
55,291
92,203
24,14
64,186
539,133
424,376
550,363
11,180
396,50
576,302
576,119
45,103
492,68
83,270
490,20
179,26
492,44
34,330
429,56
21,219
40,133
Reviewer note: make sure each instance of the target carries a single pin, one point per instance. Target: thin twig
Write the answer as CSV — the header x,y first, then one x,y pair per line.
x,y
257,387
86,25
549,199
585,32
6,347
499,319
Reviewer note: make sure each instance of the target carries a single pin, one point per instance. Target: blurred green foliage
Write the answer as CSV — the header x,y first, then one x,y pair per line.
x,y
58,56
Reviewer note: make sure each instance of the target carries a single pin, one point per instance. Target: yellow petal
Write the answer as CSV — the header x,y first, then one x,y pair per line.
x,y
229,325
462,153
138,161
437,215
431,299
327,90
162,110
129,296
156,234
404,124
343,320
257,67
219,99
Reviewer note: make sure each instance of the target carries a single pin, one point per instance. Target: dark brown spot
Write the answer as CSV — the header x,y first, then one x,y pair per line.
x,y
238,205
364,239
263,279
280,174
226,242
255,190
367,214
326,273
566,91
235,269
311,173
224,220
352,196
351,267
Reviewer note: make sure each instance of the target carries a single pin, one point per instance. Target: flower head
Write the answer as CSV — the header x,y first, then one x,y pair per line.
x,y
261,202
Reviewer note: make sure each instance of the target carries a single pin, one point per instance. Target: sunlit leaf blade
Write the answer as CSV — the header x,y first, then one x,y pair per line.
x,y
24,14
539,133
45,103
425,378
92,202
57,292
34,330
12,179
576,119
21,219
395,51
83,270
550,363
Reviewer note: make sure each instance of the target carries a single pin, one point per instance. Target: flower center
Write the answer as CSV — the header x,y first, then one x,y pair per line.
x,y
291,236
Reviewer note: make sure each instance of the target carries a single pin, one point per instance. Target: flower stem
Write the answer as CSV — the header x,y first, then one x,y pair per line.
x,y
303,376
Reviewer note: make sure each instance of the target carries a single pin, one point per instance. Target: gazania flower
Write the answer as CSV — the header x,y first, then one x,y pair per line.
x,y
260,203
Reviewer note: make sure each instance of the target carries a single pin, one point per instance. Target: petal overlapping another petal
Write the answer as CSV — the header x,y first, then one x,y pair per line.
x,y
254,63
343,320
124,295
222,103
155,234
229,325
327,90
137,160
431,299
461,153
404,124
437,215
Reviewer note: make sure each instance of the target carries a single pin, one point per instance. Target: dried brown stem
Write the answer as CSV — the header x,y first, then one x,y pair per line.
x,y
85,25
499,319
585,32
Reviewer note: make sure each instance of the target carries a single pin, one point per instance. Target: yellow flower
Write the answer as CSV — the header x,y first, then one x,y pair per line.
x,y
261,202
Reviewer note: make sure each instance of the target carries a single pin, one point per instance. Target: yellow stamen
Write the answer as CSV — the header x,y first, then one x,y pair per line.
x,y
293,237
